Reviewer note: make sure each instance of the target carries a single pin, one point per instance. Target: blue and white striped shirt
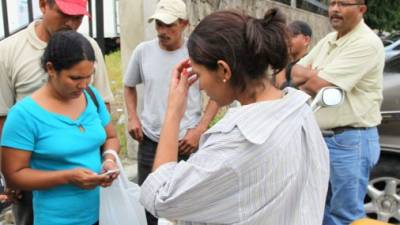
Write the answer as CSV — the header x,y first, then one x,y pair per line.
x,y
262,164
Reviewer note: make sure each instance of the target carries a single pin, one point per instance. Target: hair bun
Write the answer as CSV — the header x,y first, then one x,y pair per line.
x,y
270,15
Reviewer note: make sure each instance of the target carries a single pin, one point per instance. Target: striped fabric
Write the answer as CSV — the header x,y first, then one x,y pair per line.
x,y
263,164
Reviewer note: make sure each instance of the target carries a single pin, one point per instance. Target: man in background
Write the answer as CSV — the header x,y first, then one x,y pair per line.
x,y
152,63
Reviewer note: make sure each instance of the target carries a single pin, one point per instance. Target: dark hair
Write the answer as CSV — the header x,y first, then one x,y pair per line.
x,y
365,2
248,45
65,49
300,27
51,2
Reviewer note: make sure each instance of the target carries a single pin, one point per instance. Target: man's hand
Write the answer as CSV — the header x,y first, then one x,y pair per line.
x,y
135,129
190,142
300,74
11,195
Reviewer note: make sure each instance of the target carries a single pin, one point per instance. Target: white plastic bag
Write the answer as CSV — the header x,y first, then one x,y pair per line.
x,y
119,203
162,221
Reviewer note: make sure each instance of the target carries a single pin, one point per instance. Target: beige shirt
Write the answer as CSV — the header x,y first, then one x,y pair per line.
x,y
354,63
21,73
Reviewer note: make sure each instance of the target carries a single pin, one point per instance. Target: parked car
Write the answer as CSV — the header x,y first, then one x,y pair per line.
x,y
392,50
383,200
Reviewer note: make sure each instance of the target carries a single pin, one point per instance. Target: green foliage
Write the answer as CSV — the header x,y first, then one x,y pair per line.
x,y
383,15
113,63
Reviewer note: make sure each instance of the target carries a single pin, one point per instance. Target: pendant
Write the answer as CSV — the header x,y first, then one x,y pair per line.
x,y
81,128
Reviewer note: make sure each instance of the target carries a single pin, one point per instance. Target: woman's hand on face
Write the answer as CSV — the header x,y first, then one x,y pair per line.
x,y
182,79
85,179
109,165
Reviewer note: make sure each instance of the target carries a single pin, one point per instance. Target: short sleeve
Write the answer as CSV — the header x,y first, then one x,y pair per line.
x,y
351,65
102,109
18,131
7,96
100,79
132,76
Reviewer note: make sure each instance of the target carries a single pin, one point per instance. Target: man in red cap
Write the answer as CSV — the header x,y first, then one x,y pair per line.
x,y
21,73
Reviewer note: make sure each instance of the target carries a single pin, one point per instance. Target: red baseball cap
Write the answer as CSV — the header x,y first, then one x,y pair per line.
x,y
73,7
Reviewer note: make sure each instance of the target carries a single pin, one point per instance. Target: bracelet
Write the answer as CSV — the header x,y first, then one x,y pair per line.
x,y
108,160
110,151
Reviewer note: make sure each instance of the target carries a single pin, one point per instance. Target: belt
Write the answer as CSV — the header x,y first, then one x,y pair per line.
x,y
339,130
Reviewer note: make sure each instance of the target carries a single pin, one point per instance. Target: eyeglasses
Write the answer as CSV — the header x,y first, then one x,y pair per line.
x,y
340,4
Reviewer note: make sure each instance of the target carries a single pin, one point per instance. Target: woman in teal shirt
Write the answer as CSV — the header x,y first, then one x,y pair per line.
x,y
52,140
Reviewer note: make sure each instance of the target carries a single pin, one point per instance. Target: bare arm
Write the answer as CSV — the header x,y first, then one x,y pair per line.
x,y
108,106
191,140
134,125
2,120
314,84
112,141
209,114
308,80
167,149
301,74
280,79
18,174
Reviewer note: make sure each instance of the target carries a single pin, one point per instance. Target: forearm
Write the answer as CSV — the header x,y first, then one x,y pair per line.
x,y
314,84
300,74
108,106
167,149
209,113
30,179
130,95
111,143
2,120
280,79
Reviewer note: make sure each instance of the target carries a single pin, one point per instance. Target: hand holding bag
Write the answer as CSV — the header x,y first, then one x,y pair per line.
x,y
119,203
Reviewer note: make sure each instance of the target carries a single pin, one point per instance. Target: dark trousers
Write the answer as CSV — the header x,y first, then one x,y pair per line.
x,y
22,210
146,155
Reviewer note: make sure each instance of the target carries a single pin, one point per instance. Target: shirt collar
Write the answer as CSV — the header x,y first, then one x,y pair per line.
x,y
33,37
263,116
338,42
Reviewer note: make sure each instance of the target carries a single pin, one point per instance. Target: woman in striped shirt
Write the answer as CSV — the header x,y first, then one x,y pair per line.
x,y
265,162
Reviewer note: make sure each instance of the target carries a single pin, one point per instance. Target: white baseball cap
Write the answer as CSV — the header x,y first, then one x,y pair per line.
x,y
168,11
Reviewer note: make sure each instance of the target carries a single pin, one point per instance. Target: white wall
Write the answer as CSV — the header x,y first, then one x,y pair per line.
x,y
149,8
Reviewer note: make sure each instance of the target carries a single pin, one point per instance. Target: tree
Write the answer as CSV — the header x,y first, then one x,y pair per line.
x,y
383,15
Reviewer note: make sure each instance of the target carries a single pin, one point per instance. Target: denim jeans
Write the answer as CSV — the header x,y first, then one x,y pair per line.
x,y
353,153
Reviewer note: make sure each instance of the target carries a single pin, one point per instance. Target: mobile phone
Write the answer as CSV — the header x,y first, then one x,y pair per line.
x,y
110,172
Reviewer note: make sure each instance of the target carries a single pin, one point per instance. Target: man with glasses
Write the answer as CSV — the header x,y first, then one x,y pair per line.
x,y
351,58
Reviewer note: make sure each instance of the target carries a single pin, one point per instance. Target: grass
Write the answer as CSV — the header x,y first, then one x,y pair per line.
x,y
114,69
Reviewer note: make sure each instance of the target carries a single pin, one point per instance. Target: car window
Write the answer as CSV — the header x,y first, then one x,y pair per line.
x,y
393,64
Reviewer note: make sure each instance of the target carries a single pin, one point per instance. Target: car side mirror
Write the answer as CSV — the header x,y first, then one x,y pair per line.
x,y
327,97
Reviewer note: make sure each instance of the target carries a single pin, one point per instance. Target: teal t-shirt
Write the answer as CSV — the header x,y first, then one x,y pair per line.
x,y
60,143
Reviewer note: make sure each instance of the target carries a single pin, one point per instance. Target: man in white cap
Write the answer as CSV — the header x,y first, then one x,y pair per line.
x,y
152,63
21,73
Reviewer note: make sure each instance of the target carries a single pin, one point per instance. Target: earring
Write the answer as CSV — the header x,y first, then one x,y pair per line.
x,y
224,80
